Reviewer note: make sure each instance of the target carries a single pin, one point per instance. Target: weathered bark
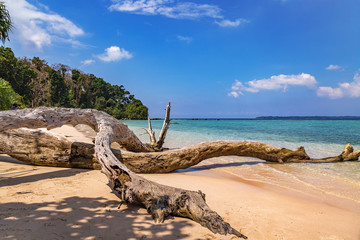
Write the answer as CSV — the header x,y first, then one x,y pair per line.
x,y
44,148
159,200
165,127
41,147
43,117
151,133
158,145
168,161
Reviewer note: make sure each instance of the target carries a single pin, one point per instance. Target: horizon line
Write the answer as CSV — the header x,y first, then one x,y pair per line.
x,y
265,118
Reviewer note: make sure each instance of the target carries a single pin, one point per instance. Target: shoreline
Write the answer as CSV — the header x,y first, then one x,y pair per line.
x,y
254,205
48,200
65,203
327,199
256,118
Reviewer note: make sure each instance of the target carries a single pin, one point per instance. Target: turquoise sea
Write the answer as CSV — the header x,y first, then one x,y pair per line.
x,y
321,138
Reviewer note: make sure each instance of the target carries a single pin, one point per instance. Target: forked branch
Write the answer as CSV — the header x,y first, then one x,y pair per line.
x,y
159,200
164,129
157,145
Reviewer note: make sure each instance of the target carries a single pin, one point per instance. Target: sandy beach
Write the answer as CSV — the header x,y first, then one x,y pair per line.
x,y
260,95
59,203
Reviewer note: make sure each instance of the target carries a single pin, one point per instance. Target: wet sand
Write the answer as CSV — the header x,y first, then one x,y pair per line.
x,y
59,203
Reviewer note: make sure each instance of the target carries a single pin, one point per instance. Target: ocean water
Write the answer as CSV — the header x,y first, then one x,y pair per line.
x,y
321,138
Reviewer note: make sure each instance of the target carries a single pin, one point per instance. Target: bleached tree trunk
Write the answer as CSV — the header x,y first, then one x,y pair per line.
x,y
164,129
157,145
45,148
159,200
151,133
41,147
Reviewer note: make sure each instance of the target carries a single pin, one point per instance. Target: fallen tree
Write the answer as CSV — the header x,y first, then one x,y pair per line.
x,y
41,147
159,200
45,148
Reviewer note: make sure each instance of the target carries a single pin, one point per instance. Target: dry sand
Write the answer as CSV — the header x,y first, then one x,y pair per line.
x,y
59,203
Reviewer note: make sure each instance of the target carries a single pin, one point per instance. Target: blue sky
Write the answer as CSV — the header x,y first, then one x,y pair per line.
x,y
210,58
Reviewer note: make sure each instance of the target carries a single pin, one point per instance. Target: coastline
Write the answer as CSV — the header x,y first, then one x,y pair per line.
x,y
77,204
265,211
260,118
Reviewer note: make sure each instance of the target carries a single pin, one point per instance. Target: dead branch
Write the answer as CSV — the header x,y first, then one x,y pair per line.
x,y
151,133
159,200
165,127
45,148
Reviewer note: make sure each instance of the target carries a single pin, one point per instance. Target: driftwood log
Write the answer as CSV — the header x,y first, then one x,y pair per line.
x,y
45,148
159,200
42,147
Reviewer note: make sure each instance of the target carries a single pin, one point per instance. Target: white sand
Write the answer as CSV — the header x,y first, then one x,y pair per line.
x,y
59,203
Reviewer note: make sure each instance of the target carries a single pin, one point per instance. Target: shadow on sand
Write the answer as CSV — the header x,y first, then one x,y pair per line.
x,y
83,218
206,166
21,175
76,217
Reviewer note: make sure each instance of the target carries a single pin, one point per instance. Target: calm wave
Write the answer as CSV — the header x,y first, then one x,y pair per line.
x,y
321,138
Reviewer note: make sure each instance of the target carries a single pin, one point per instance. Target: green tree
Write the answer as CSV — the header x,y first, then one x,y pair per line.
x,y
79,86
118,111
5,23
100,103
39,64
58,90
17,73
7,95
38,84
7,64
98,88
136,110
22,80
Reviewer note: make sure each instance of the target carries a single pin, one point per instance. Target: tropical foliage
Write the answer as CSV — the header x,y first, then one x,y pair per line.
x,y
39,84
7,95
5,23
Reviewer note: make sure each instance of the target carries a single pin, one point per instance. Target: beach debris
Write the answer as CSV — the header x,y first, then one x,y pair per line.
x,y
42,147
158,144
159,200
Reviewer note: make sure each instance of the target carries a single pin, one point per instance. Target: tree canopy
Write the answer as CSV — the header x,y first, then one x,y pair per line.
x,y
59,85
7,95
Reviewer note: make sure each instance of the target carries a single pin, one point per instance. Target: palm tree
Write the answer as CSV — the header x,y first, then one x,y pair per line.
x,y
5,23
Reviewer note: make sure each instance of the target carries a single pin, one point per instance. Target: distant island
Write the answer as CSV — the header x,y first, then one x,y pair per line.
x,y
308,118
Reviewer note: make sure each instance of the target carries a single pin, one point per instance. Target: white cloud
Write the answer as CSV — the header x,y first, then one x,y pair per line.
x,y
175,9
229,23
37,28
329,92
273,83
334,67
235,94
114,53
168,8
346,89
184,39
87,62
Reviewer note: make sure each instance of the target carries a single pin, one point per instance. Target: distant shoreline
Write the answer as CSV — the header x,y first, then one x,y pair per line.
x,y
270,118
